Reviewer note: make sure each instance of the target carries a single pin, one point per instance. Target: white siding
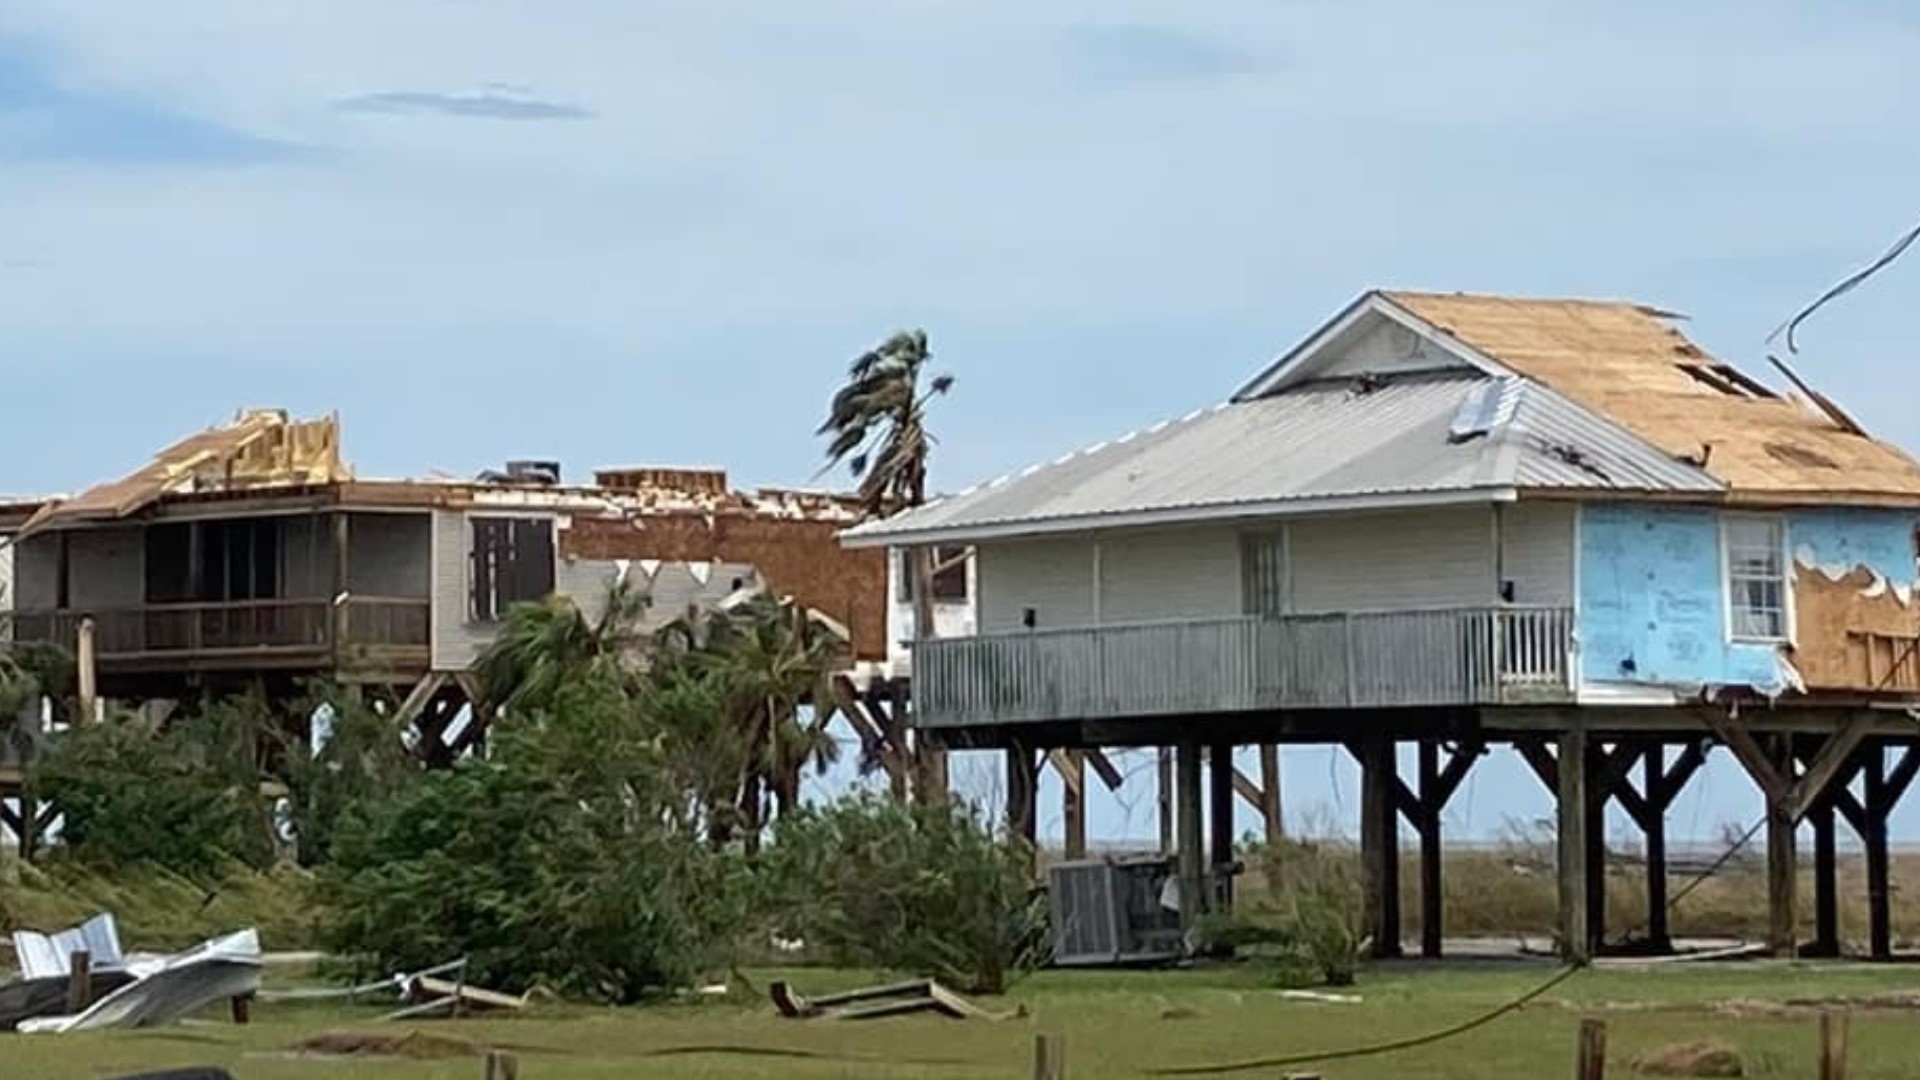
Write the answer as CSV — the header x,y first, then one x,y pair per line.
x,y
1387,347
1537,552
1393,561
1169,574
1053,577
455,640
1144,577
951,618
107,568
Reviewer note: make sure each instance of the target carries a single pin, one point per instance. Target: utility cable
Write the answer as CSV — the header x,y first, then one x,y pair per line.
x,y
1375,1049
1847,285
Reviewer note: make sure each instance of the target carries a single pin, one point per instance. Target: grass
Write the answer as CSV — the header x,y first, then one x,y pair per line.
x,y
1115,1024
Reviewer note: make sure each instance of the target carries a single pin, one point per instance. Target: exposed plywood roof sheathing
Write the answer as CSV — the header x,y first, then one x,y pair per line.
x,y
1628,362
262,449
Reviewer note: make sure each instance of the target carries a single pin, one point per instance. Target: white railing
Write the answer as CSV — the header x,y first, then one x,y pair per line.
x,y
1465,656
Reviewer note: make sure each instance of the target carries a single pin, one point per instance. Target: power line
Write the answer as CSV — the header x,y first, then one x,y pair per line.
x,y
1847,285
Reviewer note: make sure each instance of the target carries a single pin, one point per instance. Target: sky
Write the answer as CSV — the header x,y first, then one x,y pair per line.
x,y
621,232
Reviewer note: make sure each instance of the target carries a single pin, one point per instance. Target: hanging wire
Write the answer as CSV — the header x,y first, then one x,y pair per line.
x,y
1851,282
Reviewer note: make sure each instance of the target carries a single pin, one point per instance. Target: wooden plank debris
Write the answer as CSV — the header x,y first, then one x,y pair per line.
x,y
876,1002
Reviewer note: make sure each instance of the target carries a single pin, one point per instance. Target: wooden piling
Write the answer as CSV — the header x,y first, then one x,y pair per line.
x,y
502,1066
79,982
1833,1045
1573,850
1592,1062
1049,1058
1187,822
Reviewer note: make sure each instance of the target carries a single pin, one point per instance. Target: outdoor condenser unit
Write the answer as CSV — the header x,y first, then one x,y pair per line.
x,y
1110,911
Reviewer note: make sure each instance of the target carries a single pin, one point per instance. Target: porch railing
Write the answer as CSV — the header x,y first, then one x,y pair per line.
x,y
247,626
1467,656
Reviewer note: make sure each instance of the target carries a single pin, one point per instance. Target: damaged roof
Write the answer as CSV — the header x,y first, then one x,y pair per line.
x,y
1628,362
265,454
1449,435
261,449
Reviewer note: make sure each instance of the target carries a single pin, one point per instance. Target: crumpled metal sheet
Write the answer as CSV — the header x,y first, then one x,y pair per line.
x,y
47,956
170,988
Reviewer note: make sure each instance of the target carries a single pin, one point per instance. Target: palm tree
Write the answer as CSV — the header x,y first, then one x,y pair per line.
x,y
542,646
765,657
878,423
878,426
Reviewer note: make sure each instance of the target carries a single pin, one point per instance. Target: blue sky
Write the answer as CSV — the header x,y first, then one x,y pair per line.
x,y
613,231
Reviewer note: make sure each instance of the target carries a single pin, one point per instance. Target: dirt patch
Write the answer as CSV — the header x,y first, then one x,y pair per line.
x,y
411,1045
1708,1058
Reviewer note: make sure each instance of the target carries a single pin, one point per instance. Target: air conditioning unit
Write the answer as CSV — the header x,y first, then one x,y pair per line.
x,y
1114,911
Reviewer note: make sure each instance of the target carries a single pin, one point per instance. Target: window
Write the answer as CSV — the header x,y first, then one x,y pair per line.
x,y
949,574
512,563
1756,579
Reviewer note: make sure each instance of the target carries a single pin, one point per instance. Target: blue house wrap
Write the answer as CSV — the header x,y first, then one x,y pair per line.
x,y
1653,594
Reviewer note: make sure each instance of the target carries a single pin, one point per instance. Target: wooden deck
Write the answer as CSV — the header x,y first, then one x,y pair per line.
x,y
253,635
1358,660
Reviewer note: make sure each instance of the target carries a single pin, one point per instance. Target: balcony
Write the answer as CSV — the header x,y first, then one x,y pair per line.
x,y
1401,659
244,635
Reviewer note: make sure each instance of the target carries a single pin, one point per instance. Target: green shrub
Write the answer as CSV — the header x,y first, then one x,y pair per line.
x,y
564,860
187,798
927,889
364,761
1309,919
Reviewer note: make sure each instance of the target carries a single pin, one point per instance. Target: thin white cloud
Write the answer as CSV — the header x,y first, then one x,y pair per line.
x,y
491,105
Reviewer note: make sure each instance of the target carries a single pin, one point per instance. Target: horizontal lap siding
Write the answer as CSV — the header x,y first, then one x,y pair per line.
x,y
1053,577
1537,551
1171,574
1393,561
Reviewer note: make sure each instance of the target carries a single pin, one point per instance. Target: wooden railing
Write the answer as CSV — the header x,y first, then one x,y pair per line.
x,y
250,627
1471,656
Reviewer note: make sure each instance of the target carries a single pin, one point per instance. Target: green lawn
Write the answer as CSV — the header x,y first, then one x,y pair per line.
x,y
1114,1025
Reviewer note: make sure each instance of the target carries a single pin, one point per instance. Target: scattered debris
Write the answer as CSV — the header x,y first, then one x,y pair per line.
x,y
1321,996
46,961
1707,1058
430,995
166,989
874,1002
1731,952
414,1045
396,984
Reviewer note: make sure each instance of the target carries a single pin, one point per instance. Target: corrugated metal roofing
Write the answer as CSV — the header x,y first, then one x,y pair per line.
x,y
1327,440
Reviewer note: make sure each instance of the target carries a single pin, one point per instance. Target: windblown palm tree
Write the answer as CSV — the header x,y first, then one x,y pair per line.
x,y
541,646
878,423
878,426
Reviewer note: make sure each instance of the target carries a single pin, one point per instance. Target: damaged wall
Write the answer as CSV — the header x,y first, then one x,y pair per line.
x,y
1653,600
1854,611
797,557
1653,603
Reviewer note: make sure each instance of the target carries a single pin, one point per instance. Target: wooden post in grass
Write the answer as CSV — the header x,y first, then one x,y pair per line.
x,y
502,1066
241,1008
1049,1058
1833,1046
79,982
1593,1050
